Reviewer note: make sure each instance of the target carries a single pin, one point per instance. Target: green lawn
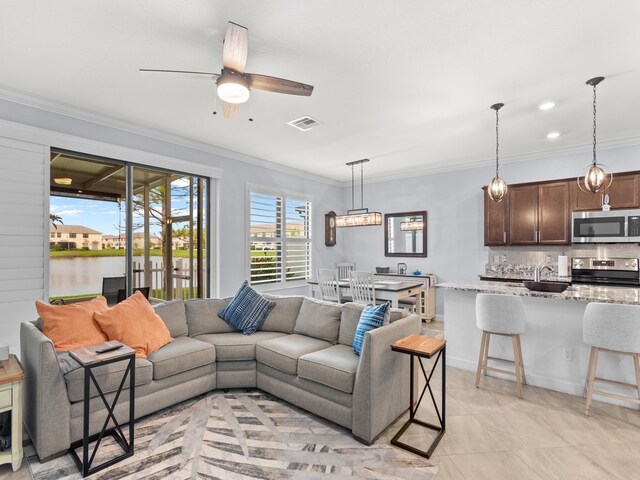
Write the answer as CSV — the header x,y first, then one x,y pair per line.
x,y
155,252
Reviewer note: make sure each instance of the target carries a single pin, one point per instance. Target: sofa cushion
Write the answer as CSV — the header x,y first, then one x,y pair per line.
x,y
334,367
282,353
135,323
202,316
372,317
283,316
108,376
319,320
247,310
183,354
231,347
351,316
174,316
72,326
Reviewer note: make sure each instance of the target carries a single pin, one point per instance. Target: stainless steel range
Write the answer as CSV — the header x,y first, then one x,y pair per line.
x,y
605,271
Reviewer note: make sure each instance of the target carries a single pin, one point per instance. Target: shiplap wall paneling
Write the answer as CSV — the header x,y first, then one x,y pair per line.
x,y
22,235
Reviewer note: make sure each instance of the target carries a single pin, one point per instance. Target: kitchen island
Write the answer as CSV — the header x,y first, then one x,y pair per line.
x,y
553,352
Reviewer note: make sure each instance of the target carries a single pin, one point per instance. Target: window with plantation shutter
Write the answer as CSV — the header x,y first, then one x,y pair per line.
x,y
279,237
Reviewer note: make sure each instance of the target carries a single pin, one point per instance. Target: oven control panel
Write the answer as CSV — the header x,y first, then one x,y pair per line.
x,y
590,263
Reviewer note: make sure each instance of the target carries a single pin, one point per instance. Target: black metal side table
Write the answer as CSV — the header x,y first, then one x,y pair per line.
x,y
422,346
89,359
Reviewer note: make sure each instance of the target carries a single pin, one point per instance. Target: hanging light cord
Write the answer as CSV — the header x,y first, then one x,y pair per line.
x,y
497,141
594,124
352,190
361,185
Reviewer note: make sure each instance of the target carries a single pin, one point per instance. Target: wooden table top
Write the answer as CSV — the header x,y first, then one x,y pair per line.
x,y
419,344
11,370
88,356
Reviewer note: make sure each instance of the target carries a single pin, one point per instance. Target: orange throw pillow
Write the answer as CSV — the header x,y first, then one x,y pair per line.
x,y
135,323
72,326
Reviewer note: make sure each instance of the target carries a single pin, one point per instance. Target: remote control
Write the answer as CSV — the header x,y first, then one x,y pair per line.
x,y
110,348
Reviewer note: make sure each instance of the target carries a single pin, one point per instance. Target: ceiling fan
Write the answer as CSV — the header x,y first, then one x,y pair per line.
x,y
233,83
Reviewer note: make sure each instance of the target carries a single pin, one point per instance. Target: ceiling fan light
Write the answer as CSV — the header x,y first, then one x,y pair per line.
x,y
233,88
497,189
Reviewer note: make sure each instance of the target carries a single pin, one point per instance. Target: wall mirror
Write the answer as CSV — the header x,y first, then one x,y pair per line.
x,y
405,234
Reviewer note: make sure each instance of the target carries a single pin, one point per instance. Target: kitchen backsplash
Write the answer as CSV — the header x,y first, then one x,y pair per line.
x,y
519,262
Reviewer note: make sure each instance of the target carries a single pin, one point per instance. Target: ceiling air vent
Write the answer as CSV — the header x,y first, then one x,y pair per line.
x,y
304,123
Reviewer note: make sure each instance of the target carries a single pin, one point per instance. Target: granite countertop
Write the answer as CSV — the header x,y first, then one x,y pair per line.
x,y
581,293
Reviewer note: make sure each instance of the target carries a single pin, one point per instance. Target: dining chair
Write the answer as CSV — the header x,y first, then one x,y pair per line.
x,y
344,269
122,293
362,287
328,283
110,287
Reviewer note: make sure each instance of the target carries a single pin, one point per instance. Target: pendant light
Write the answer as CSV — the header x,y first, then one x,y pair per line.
x,y
498,188
358,217
596,179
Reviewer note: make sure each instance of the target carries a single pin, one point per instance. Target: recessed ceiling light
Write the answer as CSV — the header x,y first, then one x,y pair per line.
x,y
552,135
62,181
547,105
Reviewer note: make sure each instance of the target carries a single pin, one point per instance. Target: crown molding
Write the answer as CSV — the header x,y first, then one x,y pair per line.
x,y
70,111
518,158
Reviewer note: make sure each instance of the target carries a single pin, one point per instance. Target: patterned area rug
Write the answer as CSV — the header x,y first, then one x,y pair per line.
x,y
242,436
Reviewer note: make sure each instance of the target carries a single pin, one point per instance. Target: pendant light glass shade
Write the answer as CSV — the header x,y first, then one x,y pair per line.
x,y
497,188
596,179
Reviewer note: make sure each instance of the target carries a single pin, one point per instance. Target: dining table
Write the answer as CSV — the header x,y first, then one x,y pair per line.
x,y
385,290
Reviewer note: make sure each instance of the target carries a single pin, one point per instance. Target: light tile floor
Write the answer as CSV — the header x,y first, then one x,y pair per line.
x,y
492,434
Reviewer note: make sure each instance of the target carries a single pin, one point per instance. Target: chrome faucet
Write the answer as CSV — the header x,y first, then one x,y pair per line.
x,y
540,267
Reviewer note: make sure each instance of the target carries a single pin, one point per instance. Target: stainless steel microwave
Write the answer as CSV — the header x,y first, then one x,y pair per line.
x,y
616,226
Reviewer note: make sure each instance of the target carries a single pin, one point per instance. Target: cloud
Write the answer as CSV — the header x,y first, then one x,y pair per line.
x,y
70,212
57,208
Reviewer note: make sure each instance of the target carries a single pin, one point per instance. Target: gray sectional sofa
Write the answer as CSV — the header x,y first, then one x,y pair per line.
x,y
302,354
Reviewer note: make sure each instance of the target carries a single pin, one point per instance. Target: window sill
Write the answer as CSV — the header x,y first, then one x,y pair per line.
x,y
280,286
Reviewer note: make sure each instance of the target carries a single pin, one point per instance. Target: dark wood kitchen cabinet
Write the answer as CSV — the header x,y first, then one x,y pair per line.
x,y
496,221
623,193
523,215
539,214
554,214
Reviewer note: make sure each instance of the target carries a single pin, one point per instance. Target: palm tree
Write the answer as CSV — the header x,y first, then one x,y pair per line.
x,y
55,219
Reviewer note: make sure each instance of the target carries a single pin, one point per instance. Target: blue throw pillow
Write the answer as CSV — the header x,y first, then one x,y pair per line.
x,y
247,310
373,316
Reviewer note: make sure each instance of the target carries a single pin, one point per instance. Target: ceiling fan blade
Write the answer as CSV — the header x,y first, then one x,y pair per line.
x,y
198,74
278,85
230,109
236,46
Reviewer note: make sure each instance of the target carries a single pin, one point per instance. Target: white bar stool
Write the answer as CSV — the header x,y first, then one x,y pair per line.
x,y
611,328
500,315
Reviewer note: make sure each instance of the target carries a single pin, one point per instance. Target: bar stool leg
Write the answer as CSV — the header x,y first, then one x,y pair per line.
x,y
486,353
516,360
481,364
524,377
591,375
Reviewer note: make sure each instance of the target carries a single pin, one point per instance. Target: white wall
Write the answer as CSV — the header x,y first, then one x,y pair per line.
x,y
112,140
455,217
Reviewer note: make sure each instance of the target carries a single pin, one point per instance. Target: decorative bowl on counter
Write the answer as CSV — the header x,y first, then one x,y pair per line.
x,y
417,272
382,269
553,287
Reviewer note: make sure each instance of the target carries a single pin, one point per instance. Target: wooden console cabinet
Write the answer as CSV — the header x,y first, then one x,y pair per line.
x,y
427,310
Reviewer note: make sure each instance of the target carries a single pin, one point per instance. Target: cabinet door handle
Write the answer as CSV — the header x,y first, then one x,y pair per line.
x,y
504,237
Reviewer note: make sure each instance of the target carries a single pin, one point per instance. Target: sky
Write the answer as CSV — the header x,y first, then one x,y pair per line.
x,y
98,215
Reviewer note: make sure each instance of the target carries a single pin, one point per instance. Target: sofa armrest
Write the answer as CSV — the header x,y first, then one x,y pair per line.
x,y
47,407
381,389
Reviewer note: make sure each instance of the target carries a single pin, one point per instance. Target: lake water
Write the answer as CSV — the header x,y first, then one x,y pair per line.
x,y
80,275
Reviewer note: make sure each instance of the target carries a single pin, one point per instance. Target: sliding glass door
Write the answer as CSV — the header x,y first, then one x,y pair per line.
x,y
161,249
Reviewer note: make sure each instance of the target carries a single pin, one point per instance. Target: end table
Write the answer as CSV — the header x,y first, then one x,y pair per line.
x,y
11,377
89,359
422,346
